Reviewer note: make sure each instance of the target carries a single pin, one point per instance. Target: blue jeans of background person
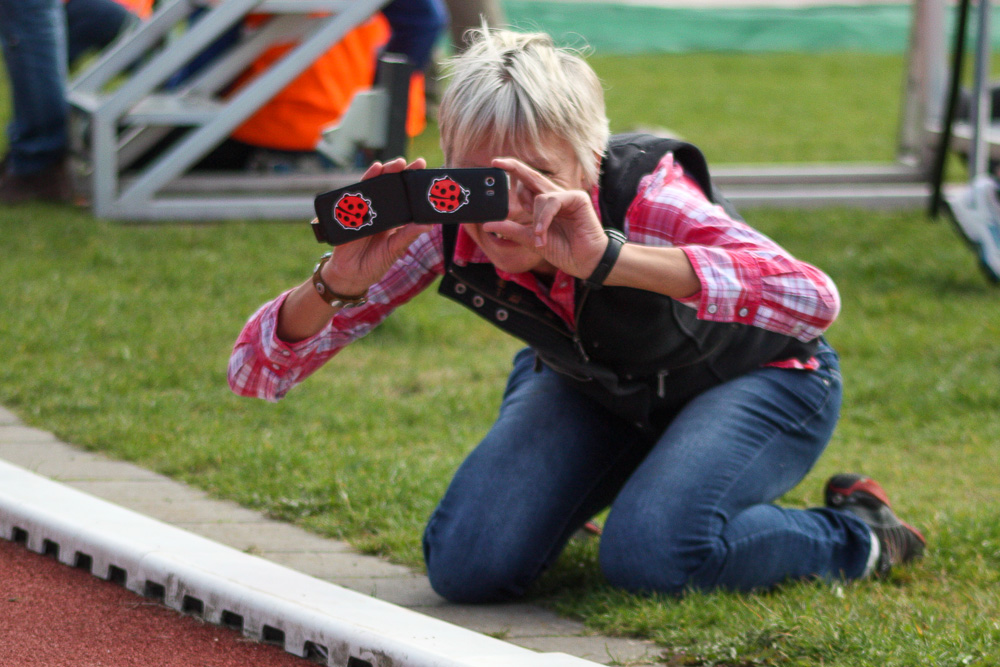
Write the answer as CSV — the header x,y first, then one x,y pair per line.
x,y
33,34
415,26
692,508
92,25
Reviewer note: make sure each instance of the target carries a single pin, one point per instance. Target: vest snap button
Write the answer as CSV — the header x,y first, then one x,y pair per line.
x,y
478,301
460,288
501,315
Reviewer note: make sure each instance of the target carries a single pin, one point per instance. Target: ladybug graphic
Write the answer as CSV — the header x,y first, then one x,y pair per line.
x,y
353,211
447,196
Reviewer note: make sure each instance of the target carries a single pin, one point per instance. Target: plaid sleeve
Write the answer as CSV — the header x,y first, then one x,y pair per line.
x,y
264,366
745,276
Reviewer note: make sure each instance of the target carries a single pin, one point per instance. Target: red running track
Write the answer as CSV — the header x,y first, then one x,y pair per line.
x,y
53,615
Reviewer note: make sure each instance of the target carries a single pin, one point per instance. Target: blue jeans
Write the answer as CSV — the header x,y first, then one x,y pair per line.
x,y
92,25
416,26
33,34
691,507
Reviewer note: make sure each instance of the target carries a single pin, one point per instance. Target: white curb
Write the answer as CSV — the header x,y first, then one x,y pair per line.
x,y
266,601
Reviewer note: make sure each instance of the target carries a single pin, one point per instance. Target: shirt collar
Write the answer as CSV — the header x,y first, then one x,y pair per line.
x,y
467,251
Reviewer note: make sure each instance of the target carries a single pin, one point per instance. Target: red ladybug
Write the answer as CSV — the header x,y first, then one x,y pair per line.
x,y
447,196
353,211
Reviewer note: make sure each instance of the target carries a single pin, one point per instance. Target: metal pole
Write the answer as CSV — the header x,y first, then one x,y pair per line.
x,y
925,83
954,86
981,106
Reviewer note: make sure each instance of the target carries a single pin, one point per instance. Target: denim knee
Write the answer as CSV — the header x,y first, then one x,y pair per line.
x,y
468,585
654,559
472,573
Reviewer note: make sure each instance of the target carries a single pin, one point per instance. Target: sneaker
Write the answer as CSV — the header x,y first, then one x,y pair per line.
x,y
52,184
587,531
976,213
899,542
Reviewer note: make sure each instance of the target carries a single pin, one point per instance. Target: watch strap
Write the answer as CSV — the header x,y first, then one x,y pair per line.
x,y
332,298
616,239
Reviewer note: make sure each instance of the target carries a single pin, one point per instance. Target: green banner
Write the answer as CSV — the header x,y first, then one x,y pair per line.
x,y
623,28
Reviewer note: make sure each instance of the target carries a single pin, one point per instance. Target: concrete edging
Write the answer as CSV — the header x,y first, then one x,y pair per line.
x,y
265,601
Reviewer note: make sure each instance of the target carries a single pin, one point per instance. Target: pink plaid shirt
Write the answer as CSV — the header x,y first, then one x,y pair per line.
x,y
745,276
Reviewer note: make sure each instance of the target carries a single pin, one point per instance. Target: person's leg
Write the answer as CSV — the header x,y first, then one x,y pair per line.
x,y
550,462
93,25
416,26
697,513
34,49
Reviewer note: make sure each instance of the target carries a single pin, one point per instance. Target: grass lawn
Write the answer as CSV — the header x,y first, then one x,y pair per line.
x,y
116,337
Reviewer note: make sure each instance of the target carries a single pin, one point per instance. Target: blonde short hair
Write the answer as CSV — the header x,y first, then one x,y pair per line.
x,y
508,88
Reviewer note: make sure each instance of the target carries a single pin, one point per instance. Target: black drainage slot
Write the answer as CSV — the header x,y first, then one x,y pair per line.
x,y
83,561
50,548
232,621
272,635
19,535
116,575
192,605
357,662
155,591
317,653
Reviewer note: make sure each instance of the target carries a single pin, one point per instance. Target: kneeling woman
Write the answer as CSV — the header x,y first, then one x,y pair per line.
x,y
675,369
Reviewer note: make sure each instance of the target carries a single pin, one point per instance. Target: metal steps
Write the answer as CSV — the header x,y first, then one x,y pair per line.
x,y
128,99
884,196
813,185
963,136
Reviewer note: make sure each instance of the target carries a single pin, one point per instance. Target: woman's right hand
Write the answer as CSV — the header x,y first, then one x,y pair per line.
x,y
353,268
358,265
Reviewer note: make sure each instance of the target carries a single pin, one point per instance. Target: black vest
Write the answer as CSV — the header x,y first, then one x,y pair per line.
x,y
640,354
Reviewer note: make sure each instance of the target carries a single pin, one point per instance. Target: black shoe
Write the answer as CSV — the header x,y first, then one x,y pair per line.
x,y
865,499
52,184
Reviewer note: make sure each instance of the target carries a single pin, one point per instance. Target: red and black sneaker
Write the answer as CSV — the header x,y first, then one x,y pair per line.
x,y
866,499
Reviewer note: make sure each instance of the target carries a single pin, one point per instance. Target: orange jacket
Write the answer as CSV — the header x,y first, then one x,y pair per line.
x,y
141,8
294,118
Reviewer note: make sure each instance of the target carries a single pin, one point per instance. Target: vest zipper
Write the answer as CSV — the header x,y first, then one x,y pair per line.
x,y
577,341
661,383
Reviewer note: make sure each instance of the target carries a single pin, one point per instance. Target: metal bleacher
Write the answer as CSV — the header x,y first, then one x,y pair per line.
x,y
903,182
123,104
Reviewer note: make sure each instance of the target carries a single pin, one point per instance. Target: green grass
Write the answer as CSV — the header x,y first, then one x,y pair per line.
x,y
762,108
116,338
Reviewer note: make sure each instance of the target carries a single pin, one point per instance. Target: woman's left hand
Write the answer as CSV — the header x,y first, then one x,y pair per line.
x,y
558,224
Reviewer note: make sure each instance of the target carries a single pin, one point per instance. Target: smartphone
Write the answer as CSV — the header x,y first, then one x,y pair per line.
x,y
445,196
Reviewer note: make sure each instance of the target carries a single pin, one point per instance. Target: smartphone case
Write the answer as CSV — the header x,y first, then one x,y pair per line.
x,y
445,196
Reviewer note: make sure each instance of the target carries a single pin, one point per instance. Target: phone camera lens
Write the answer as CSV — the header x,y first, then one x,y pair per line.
x,y
490,181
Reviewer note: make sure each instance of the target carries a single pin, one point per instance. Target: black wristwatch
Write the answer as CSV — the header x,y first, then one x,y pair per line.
x,y
616,239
